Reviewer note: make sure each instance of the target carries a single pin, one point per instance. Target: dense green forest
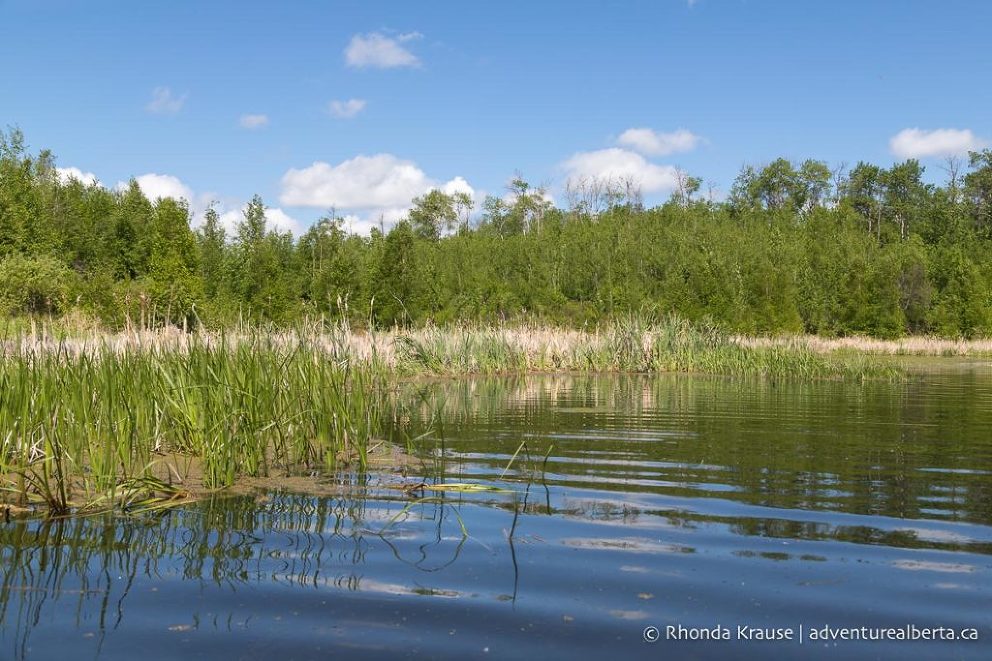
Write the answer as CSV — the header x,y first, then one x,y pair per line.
x,y
795,247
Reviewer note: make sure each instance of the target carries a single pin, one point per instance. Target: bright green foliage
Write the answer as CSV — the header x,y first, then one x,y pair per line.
x,y
332,263
132,232
264,274
397,281
796,248
173,265
962,305
978,190
212,240
38,285
432,214
781,186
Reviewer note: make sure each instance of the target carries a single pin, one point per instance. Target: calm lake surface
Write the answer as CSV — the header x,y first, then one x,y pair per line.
x,y
667,501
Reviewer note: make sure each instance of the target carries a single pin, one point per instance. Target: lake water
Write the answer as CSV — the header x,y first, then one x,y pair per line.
x,y
691,504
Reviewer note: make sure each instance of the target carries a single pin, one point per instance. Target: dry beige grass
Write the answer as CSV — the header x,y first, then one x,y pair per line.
x,y
541,345
908,346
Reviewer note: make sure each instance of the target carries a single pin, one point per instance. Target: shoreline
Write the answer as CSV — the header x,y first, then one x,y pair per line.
x,y
85,421
914,345
529,335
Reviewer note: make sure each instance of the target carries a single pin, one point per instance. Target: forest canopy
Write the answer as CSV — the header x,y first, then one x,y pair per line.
x,y
797,247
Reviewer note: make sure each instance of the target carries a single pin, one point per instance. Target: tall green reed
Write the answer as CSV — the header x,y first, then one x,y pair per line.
x,y
91,425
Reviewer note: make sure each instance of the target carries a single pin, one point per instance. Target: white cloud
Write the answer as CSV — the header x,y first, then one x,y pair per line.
x,y
615,163
918,143
164,102
356,224
361,182
363,221
228,219
155,186
371,190
253,121
654,143
282,221
378,51
458,185
67,174
346,109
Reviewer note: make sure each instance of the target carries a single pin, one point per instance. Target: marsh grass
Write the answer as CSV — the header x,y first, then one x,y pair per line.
x,y
88,421
636,343
87,428
907,346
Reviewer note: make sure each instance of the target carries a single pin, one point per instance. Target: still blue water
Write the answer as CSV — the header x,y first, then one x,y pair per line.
x,y
694,505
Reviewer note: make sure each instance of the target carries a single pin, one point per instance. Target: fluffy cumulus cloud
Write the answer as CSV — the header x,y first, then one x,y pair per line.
x,y
346,109
363,222
282,221
155,186
252,122
65,175
654,143
379,51
919,143
621,164
458,185
369,189
382,180
164,102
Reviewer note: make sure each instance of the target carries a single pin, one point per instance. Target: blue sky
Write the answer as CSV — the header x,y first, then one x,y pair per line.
x,y
221,100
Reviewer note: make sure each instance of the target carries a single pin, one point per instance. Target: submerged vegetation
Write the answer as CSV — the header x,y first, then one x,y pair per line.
x,y
119,419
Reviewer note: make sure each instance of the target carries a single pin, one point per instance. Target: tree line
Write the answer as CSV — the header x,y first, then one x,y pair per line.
x,y
794,247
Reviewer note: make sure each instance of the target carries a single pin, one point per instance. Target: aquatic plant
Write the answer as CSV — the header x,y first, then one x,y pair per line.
x,y
91,426
107,419
634,343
